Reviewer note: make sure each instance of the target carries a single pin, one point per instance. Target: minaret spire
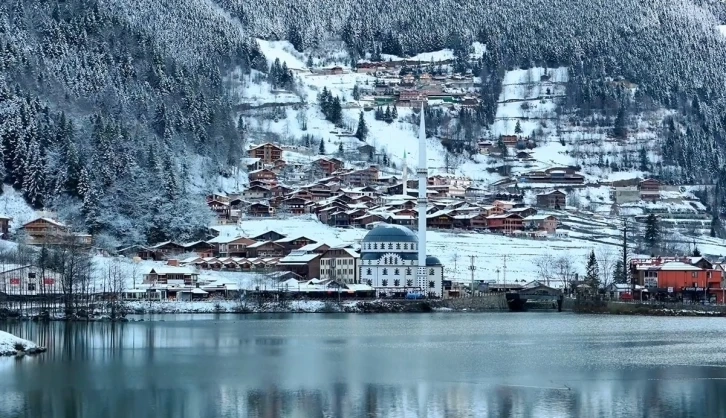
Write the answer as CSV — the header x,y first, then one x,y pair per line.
x,y
422,203
404,177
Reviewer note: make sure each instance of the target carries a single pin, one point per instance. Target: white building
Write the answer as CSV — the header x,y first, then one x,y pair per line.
x,y
389,258
340,264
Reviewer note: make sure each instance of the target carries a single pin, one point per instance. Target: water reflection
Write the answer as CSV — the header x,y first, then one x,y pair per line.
x,y
384,366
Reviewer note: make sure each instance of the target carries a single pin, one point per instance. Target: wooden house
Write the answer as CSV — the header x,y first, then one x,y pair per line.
x,y
552,200
265,249
267,153
264,175
506,223
268,236
259,210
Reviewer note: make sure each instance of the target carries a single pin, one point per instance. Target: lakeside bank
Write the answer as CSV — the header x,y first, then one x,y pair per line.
x,y
10,345
647,309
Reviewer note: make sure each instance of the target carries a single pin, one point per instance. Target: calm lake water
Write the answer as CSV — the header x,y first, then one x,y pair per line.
x,y
391,365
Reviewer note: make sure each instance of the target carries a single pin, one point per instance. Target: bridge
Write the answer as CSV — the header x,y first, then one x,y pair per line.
x,y
535,294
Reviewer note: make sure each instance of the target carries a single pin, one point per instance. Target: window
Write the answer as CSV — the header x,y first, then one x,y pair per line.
x,y
409,282
31,287
405,246
431,272
694,274
390,245
369,271
396,272
384,282
432,284
369,282
398,245
385,272
396,282
375,246
408,271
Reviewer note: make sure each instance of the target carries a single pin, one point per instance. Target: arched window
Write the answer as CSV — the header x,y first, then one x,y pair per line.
x,y
396,272
396,282
431,272
432,284
413,246
398,245
390,245
385,272
384,282
409,282
369,282
405,246
375,246
408,271
369,271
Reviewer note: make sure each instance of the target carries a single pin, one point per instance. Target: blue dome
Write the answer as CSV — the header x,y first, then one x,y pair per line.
x,y
432,261
390,233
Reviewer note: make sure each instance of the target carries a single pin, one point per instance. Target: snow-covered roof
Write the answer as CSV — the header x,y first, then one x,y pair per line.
x,y
312,246
299,257
171,270
678,266
538,217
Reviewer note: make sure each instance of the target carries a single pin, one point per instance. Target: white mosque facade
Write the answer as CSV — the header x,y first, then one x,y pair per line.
x,y
389,263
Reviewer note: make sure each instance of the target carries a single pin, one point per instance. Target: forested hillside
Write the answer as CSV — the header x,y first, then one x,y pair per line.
x,y
114,113
104,108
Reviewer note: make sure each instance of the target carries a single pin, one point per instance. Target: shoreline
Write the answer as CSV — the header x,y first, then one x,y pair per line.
x,y
11,345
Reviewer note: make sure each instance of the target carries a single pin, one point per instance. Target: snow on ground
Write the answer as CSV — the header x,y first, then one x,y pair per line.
x,y
8,343
14,206
722,29
224,306
284,51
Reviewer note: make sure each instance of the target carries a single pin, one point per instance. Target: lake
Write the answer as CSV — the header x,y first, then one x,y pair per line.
x,y
386,365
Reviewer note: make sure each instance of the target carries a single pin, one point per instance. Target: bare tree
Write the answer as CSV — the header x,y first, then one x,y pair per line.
x,y
114,285
545,267
606,259
564,270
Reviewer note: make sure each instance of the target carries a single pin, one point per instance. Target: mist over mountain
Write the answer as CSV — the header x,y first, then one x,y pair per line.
x,y
117,115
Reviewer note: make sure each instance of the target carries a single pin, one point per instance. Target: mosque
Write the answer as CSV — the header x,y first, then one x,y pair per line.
x,y
393,258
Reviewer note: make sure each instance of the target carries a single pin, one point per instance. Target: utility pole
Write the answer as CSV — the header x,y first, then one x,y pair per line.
x,y
625,256
504,272
472,267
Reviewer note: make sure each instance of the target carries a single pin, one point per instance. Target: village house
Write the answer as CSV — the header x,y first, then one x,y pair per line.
x,y
681,278
361,177
256,193
340,264
302,263
329,165
547,223
221,209
16,279
252,164
296,205
510,141
626,194
552,200
45,231
265,249
440,220
267,153
523,211
237,247
268,236
5,226
260,210
556,175
201,248
649,190
263,175
171,275
294,243
506,223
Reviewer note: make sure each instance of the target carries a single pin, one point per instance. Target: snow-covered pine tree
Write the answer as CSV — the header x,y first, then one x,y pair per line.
x,y
34,186
592,272
321,147
361,131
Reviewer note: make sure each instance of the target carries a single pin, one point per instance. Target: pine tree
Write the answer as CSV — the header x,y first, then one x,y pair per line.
x,y
619,273
356,93
643,156
336,111
379,113
696,252
387,115
309,62
518,128
340,149
321,148
362,131
592,274
34,181
91,211
394,112
652,231
621,120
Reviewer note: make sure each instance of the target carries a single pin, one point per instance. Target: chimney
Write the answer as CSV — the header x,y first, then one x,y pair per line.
x,y
173,263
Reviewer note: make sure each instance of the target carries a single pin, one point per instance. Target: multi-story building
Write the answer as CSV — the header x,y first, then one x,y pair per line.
x,y
267,153
340,264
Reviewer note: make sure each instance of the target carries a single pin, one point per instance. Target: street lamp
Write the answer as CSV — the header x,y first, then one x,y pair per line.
x,y
472,267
